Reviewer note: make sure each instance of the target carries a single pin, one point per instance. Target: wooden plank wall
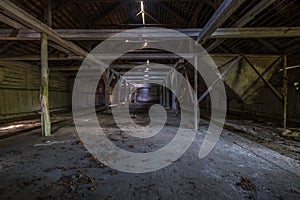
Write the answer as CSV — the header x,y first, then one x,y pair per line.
x,y
267,104
20,90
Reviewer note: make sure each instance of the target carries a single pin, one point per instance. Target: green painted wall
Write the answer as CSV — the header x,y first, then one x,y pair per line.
x,y
20,90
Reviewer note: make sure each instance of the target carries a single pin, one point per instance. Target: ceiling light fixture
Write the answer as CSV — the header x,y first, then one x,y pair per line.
x,y
142,12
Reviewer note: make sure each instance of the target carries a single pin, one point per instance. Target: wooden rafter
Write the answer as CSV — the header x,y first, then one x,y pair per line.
x,y
224,11
194,20
245,19
172,12
23,17
10,22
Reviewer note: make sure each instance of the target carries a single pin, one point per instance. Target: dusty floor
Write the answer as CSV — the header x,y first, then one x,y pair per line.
x,y
60,167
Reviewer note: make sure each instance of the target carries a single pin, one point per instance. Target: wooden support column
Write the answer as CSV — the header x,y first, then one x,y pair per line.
x,y
174,105
136,95
161,95
126,92
285,91
196,93
45,115
174,81
119,93
164,95
107,79
167,98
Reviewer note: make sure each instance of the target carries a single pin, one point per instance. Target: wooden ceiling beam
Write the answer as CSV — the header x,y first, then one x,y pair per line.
x,y
102,34
19,15
76,68
112,66
224,11
262,5
132,56
38,57
10,22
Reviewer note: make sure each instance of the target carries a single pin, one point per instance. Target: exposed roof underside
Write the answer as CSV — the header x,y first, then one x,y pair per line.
x,y
99,14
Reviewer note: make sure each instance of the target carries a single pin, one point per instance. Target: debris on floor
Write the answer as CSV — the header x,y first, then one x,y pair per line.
x,y
49,143
291,134
286,142
237,168
246,183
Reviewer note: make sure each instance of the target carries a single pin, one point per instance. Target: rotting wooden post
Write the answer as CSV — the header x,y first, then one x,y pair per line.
x,y
45,115
285,91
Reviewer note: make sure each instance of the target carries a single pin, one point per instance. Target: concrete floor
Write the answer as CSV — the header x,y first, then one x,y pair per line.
x,y
31,167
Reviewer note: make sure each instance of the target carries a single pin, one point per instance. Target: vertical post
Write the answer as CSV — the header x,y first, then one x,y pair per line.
x,y
285,91
126,92
45,115
174,81
106,95
174,102
136,94
160,95
129,93
167,98
164,95
107,80
119,93
196,93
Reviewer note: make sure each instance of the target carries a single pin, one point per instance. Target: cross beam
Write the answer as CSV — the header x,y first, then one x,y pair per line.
x,y
102,34
219,17
132,56
262,5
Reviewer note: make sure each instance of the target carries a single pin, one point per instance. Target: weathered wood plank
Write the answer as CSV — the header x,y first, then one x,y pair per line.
x,y
45,115
10,22
20,90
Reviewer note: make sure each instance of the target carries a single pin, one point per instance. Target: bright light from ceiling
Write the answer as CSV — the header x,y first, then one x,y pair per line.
x,y
143,12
